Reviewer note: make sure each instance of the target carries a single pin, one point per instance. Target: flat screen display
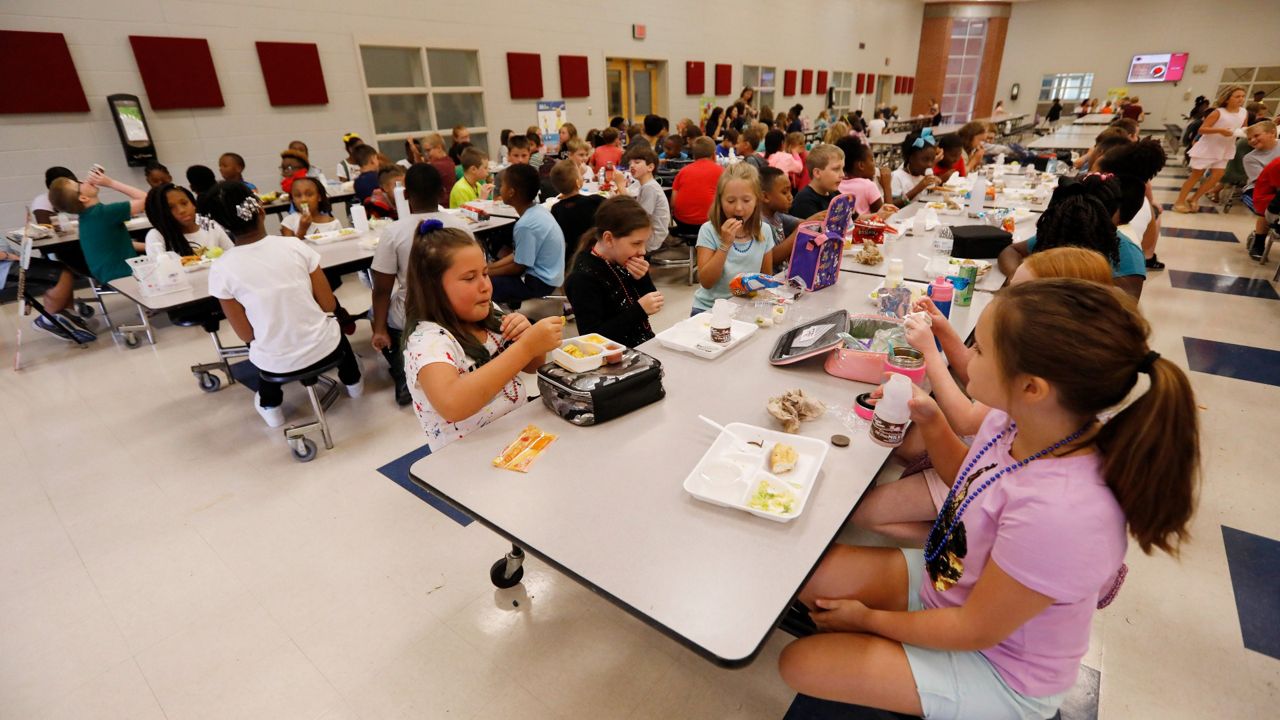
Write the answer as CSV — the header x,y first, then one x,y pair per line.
x,y
1160,67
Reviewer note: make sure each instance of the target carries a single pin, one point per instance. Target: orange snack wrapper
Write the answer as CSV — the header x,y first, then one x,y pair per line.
x,y
521,453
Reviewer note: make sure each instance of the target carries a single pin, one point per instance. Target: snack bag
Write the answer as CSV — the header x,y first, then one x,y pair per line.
x,y
748,284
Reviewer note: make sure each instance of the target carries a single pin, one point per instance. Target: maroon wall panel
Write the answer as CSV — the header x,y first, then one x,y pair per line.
x,y
789,82
39,75
177,72
575,81
822,82
524,73
862,83
806,82
695,77
293,74
871,83
724,79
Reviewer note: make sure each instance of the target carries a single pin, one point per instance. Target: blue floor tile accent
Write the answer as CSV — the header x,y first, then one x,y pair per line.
x,y
1241,362
398,472
1194,234
1254,562
1203,208
1225,284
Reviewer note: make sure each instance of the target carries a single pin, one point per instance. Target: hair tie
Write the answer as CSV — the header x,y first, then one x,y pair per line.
x,y
1148,362
248,208
926,136
429,225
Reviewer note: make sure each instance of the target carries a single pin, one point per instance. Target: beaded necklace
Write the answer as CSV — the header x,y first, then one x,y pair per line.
x,y
629,298
514,395
945,549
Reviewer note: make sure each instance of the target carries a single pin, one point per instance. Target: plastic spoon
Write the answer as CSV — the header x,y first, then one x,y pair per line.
x,y
744,446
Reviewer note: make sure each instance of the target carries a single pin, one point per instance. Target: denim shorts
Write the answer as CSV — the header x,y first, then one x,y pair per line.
x,y
964,684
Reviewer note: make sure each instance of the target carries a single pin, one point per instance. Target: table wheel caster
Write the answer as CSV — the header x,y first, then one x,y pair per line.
x,y
130,340
84,309
209,382
303,449
508,571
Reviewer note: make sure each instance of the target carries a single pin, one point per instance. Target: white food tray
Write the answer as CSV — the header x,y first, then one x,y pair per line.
x,y
693,336
204,263
332,236
753,463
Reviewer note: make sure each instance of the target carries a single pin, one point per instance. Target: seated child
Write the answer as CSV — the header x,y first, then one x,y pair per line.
x,y
610,288
537,151
580,153
176,227
293,165
574,212
776,157
42,212
103,238
609,153
460,134
314,211
276,298
918,155
349,167
1045,495
157,174
775,209
422,187
694,187
471,186
231,168
826,169
735,239
642,161
728,141
862,179
673,148
748,141
463,358
536,266
1262,138
367,181
950,157
433,147
200,179
519,151
796,146
1085,214
57,284
382,203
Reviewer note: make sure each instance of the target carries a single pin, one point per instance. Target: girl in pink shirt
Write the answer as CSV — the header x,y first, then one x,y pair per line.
x,y
991,619
861,176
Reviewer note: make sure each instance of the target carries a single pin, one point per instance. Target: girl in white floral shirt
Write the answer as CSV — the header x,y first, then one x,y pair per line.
x,y
463,358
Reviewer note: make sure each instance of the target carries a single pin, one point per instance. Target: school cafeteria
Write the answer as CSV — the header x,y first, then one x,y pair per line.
x,y
856,360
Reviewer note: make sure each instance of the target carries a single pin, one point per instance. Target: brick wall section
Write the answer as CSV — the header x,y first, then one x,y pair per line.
x,y
992,57
931,64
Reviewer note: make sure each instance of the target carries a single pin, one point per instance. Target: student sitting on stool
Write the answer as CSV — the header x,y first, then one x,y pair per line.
x,y
536,266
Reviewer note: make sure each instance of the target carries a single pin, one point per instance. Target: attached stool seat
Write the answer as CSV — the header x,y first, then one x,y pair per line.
x,y
304,450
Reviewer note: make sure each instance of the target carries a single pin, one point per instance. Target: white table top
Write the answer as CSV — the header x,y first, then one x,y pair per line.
x,y
896,138
714,578
1064,141
911,248
1096,119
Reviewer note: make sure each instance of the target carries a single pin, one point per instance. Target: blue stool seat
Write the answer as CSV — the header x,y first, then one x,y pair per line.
x,y
307,377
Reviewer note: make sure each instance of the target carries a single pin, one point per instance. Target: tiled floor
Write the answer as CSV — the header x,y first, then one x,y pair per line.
x,y
161,556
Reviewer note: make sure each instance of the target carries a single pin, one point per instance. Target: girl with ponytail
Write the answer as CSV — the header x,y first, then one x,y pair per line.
x,y
610,288
997,606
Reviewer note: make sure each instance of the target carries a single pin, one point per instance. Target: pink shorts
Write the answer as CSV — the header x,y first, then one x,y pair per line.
x,y
1208,164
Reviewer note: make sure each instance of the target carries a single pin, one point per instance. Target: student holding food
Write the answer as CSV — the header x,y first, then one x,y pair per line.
x,y
735,239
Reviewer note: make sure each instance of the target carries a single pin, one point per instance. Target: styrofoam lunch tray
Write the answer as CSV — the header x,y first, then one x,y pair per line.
x,y
332,236
753,464
693,336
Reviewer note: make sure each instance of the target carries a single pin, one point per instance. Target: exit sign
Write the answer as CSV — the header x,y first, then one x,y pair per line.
x,y
637,32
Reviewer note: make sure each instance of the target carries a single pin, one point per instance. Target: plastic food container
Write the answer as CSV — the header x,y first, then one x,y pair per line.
x,y
730,475
593,356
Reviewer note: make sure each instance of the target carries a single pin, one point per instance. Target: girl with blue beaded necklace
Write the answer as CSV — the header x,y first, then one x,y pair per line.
x,y
991,619
735,239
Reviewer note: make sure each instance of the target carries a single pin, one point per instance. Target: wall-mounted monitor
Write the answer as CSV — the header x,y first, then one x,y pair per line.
x,y
1160,67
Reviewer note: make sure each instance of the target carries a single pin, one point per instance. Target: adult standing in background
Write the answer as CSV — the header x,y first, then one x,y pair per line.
x,y
746,99
1055,113
1134,110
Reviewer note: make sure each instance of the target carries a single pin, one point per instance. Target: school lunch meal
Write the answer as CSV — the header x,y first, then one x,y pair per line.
x,y
205,255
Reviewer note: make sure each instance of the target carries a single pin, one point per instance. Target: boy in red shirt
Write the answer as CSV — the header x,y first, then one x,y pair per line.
x,y
609,152
694,188
1264,193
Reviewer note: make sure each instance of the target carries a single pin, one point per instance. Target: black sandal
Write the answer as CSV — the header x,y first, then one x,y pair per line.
x,y
1153,263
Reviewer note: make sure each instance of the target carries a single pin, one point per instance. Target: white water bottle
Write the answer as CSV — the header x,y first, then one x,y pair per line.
x,y
889,423
155,245
722,322
359,219
402,204
977,194
893,275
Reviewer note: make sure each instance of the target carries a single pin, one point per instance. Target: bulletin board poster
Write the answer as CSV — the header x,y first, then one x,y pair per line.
x,y
1114,94
551,115
705,105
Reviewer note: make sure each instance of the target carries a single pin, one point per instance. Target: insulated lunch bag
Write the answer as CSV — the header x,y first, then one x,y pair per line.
x,y
609,391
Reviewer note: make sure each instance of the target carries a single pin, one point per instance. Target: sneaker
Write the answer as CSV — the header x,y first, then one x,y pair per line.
x,y
55,329
79,332
1257,245
76,320
273,416
403,397
356,390
1153,263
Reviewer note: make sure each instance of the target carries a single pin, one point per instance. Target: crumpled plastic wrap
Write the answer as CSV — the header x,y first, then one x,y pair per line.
x,y
793,407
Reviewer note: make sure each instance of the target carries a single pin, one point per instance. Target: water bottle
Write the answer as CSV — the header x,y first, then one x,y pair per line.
x,y
1051,167
889,423
941,291
402,203
893,276
359,219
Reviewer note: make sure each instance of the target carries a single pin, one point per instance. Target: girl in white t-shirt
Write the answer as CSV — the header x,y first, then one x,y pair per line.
x,y
349,169
919,155
1214,149
277,299
171,209
314,212
462,359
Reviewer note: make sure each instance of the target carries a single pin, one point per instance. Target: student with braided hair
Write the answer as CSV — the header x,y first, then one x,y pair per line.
x,y
1137,164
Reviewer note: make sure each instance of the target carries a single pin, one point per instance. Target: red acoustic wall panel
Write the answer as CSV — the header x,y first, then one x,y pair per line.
x,y
695,77
806,82
524,73
862,83
293,74
575,82
724,79
911,84
822,82
871,83
789,82
39,75
177,72
898,84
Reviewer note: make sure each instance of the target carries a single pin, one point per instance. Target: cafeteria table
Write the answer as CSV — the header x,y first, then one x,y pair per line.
x,y
1063,141
605,504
